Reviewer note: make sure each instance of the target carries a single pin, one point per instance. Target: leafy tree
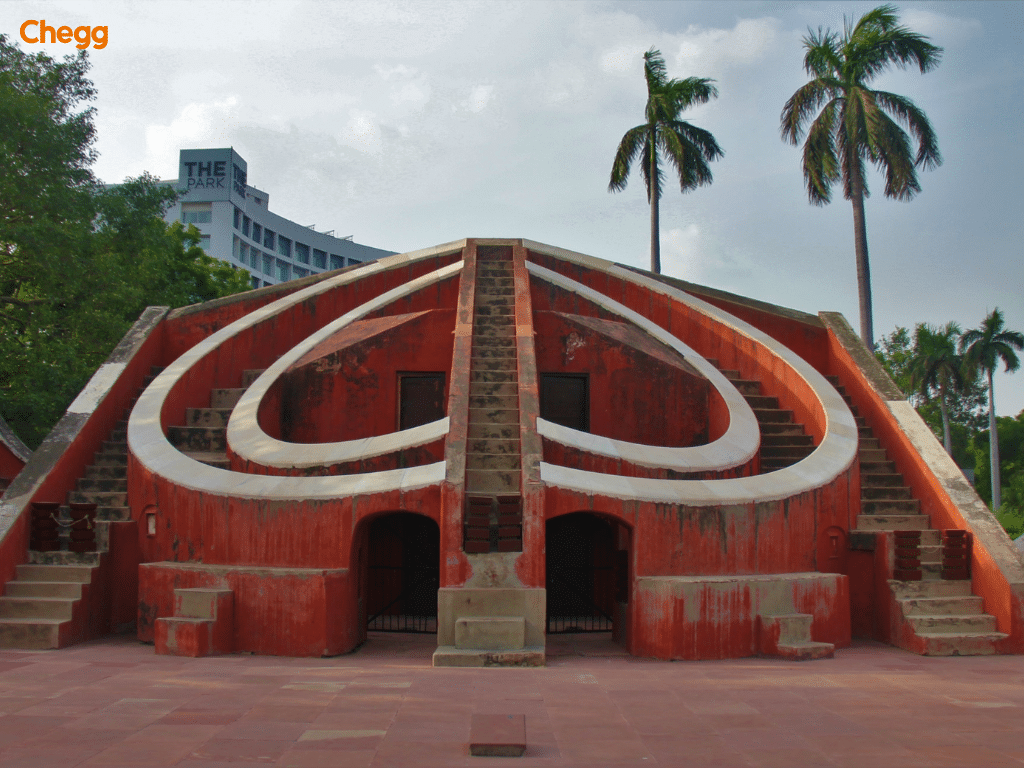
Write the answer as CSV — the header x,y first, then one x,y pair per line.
x,y
983,349
686,147
856,124
937,368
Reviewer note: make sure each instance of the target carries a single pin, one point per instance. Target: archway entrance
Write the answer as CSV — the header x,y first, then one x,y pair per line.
x,y
587,573
403,564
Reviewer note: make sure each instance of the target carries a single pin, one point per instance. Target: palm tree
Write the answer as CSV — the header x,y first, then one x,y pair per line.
x,y
857,124
683,145
982,349
937,368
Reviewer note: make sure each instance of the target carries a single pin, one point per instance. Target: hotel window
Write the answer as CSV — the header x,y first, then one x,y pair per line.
x,y
196,213
268,239
337,262
257,233
238,219
319,258
246,221
268,264
283,270
302,253
299,272
284,246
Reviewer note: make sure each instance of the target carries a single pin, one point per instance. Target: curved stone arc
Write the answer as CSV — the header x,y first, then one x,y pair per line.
x,y
247,439
150,446
834,455
737,446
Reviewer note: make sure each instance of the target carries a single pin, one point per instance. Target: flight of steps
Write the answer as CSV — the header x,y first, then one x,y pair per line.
x,y
204,435
44,606
932,586
493,520
784,442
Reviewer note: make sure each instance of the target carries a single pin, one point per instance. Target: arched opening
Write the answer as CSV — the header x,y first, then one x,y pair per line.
x,y
402,564
587,574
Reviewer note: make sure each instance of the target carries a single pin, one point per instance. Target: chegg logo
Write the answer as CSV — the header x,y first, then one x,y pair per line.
x,y
81,35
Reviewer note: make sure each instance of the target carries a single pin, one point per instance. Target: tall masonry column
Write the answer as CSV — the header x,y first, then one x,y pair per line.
x,y
496,617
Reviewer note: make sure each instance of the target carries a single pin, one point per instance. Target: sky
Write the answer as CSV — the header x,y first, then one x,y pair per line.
x,y
409,124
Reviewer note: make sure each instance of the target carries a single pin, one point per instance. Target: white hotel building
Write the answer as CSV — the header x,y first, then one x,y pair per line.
x,y
237,226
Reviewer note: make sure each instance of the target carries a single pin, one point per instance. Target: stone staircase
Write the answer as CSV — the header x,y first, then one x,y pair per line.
x,y
932,590
44,607
784,442
493,519
204,434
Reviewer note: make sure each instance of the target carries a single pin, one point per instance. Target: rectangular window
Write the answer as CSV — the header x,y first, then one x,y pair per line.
x,y
283,270
196,213
268,239
337,262
257,233
319,258
246,221
268,264
302,253
284,246
238,219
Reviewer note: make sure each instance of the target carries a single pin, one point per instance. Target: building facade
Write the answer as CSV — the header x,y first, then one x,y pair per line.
x,y
237,225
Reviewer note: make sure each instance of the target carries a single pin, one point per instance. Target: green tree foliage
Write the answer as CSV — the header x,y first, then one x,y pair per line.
x,y
851,124
684,146
983,349
78,263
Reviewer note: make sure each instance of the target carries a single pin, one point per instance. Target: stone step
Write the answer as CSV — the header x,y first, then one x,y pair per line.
x,y
85,484
486,431
477,388
31,634
773,415
492,461
884,492
204,439
492,446
493,376
36,608
890,507
492,481
207,417
71,590
493,415
100,498
226,397
65,573
210,458
892,522
965,605
944,625
494,401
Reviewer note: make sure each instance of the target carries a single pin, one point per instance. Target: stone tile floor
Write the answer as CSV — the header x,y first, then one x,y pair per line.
x,y
115,703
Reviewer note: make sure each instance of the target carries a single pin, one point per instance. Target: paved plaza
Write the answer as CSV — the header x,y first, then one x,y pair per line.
x,y
115,703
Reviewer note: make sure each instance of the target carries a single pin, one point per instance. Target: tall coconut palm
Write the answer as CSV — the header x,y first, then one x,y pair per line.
x,y
857,124
937,369
983,348
686,147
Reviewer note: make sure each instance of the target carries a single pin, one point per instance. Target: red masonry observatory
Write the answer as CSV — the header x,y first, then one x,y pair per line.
x,y
493,441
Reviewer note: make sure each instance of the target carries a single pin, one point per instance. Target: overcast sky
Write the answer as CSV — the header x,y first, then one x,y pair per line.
x,y
408,124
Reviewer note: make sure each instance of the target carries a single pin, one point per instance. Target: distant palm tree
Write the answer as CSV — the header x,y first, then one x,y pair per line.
x,y
982,349
936,367
854,124
684,146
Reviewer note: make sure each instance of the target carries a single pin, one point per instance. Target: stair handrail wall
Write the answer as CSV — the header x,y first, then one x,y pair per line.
x,y
946,497
54,467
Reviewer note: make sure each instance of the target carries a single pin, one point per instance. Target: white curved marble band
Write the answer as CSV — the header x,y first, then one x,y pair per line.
x,y
149,445
736,447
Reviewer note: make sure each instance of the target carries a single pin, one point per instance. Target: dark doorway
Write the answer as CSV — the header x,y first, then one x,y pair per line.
x,y
421,399
565,399
402,574
584,573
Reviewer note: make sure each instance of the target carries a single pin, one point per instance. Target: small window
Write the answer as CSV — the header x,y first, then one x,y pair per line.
x,y
284,246
302,253
268,264
319,259
246,222
257,233
268,239
238,219
283,270
337,262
